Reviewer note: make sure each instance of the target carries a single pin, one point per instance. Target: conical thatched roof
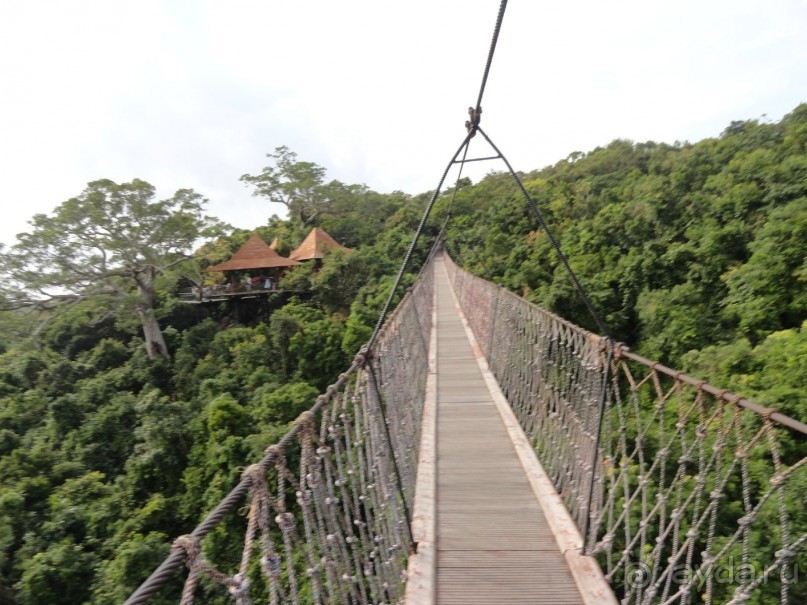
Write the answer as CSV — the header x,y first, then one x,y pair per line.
x,y
315,245
254,254
275,243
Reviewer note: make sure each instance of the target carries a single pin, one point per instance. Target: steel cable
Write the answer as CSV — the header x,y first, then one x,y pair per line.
x,y
472,130
492,49
415,239
555,244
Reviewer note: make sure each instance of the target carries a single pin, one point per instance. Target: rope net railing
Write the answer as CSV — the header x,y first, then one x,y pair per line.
x,y
327,507
698,496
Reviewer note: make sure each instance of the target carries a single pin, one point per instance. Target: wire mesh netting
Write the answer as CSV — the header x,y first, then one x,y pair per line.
x,y
697,495
327,507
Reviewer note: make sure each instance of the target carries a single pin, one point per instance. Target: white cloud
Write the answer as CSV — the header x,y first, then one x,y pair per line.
x,y
194,94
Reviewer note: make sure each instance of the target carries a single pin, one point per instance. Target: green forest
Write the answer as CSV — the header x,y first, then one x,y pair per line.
x,y
126,414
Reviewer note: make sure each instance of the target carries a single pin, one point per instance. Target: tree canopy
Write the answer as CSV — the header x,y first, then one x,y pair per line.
x,y
112,241
695,254
297,185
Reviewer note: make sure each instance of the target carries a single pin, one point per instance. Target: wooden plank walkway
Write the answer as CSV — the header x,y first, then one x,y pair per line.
x,y
494,545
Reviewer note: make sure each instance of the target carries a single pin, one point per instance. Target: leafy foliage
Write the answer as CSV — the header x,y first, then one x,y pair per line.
x,y
693,253
679,246
112,242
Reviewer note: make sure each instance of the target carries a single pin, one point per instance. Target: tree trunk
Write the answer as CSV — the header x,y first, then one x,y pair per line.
x,y
155,343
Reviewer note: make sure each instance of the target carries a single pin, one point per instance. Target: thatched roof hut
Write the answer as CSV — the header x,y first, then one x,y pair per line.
x,y
254,254
315,246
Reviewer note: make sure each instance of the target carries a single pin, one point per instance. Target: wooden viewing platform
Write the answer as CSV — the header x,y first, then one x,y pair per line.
x,y
220,293
490,540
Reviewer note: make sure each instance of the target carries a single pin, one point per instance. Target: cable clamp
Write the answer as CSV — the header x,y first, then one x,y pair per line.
x,y
474,117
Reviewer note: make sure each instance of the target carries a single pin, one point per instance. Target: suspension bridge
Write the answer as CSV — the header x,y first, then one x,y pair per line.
x,y
482,450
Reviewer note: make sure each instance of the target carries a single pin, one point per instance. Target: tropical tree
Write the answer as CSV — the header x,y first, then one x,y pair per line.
x,y
111,242
299,186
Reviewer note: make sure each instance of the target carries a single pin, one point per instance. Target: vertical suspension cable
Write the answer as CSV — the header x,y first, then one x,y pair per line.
x,y
471,132
555,244
609,341
454,194
415,239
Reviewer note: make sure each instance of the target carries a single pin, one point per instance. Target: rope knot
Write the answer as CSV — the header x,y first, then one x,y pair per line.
x,y
768,413
361,357
285,521
306,419
238,585
746,520
740,597
254,472
275,451
271,564
189,544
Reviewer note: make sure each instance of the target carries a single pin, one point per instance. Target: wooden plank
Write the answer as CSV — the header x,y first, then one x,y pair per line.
x,y
493,543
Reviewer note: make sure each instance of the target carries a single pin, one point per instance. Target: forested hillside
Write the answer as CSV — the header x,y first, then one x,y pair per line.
x,y
695,255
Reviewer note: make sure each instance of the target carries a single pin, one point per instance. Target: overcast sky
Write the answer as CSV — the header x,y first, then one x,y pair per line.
x,y
194,93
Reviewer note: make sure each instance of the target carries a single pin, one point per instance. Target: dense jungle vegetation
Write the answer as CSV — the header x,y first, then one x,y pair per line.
x,y
695,255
